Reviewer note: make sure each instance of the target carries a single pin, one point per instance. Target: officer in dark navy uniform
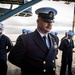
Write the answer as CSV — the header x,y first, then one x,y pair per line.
x,y
35,52
66,46
5,47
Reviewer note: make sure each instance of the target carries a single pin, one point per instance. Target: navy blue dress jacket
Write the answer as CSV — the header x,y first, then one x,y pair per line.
x,y
32,56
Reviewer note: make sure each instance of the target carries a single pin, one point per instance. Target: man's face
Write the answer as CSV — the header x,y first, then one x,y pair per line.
x,y
70,37
44,27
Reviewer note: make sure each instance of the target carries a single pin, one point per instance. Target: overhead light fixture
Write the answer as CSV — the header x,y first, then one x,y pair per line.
x,y
27,12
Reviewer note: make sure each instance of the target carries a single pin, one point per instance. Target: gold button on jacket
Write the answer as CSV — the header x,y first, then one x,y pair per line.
x,y
44,70
44,62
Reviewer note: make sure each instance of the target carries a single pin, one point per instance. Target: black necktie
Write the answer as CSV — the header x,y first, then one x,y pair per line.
x,y
44,38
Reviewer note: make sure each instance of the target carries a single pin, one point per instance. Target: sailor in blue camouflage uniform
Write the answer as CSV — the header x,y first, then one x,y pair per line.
x,y
5,47
31,53
24,31
66,46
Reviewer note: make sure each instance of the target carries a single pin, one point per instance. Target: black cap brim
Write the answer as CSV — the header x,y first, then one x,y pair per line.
x,y
48,20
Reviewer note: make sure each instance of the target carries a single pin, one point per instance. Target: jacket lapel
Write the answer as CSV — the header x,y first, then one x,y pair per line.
x,y
51,42
39,41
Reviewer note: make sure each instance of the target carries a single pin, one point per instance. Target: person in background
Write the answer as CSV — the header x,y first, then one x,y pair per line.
x,y
24,31
35,52
5,46
64,36
57,40
54,34
28,31
66,46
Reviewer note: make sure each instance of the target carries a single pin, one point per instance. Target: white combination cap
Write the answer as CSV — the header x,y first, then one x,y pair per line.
x,y
46,13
